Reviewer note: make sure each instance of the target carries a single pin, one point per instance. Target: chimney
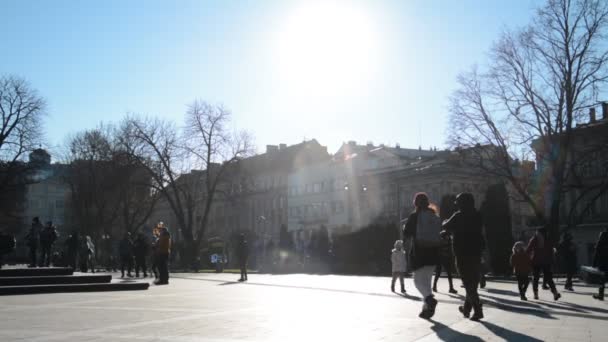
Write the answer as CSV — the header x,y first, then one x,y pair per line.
x,y
591,115
271,148
604,110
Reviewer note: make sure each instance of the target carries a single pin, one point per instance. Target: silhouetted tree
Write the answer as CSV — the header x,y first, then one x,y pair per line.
x,y
539,82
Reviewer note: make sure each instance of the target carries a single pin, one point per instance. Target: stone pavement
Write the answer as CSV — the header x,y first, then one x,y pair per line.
x,y
214,307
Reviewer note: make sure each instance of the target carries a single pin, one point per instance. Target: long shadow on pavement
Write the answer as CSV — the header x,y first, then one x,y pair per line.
x,y
508,335
445,333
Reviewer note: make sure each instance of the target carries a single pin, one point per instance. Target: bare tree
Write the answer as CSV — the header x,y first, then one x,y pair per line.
x,y
189,166
22,111
538,84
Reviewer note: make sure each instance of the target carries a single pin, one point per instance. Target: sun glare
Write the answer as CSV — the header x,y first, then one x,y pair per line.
x,y
325,49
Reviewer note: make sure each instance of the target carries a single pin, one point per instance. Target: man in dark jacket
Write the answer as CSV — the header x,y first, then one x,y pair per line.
x,y
140,248
242,253
600,260
72,244
566,251
126,255
48,235
32,239
466,227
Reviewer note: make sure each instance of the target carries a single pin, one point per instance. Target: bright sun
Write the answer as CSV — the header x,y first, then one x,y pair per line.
x,y
326,49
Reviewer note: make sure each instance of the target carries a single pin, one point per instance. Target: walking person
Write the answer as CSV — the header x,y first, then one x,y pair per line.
x,y
600,260
423,227
242,253
88,252
566,252
126,255
522,267
48,235
465,225
163,251
540,248
33,239
140,248
446,260
398,261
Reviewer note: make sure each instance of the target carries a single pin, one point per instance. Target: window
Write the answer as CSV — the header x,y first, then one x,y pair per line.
x,y
59,203
316,188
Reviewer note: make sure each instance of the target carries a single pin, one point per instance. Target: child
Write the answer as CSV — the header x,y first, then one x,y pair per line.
x,y
398,261
522,267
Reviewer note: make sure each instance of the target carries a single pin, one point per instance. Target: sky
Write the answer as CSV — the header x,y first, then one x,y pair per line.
x,y
370,71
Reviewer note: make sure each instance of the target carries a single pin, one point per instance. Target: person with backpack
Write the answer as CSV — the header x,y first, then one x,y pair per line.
x,y
48,235
423,227
466,225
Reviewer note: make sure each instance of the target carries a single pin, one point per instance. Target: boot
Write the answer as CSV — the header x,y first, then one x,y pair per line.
x,y
465,310
428,310
477,312
435,288
535,294
453,291
600,294
393,288
556,295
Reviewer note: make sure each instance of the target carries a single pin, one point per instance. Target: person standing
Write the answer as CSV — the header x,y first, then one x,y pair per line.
x,y
466,227
48,235
33,239
521,267
242,252
600,260
446,259
566,251
140,248
540,248
126,255
163,250
398,262
72,243
423,227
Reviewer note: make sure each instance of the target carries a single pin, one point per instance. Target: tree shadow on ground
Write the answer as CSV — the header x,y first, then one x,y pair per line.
x,y
576,307
445,333
508,335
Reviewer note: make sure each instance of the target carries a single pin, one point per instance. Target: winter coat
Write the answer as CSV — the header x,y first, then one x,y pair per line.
x,y
242,251
600,257
163,245
567,256
420,255
522,265
541,250
125,248
398,260
466,229
48,235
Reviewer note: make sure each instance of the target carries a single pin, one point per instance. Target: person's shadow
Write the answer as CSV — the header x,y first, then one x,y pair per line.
x,y
445,333
508,335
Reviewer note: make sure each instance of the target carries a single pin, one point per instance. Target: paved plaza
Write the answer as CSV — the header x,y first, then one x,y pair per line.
x,y
214,307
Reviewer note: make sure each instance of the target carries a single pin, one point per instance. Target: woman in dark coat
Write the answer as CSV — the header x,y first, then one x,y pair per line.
x,y
600,260
466,227
540,248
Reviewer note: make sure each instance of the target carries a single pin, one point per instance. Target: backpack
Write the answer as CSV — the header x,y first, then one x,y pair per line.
x,y
428,227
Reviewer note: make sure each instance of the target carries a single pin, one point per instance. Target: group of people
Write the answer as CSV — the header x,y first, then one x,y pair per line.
x,y
429,247
40,240
434,244
135,251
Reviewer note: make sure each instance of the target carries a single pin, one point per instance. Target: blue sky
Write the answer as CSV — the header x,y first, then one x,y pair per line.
x,y
384,76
